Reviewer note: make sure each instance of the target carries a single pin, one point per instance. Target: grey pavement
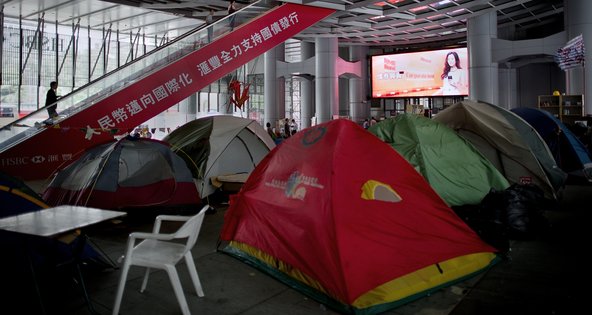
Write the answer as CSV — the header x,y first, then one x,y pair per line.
x,y
545,275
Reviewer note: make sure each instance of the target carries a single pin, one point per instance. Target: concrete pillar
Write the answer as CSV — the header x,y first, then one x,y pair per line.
x,y
273,87
280,83
508,91
192,106
306,89
577,21
326,80
483,72
359,108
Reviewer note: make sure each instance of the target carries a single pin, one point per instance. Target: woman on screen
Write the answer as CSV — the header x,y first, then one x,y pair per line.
x,y
453,77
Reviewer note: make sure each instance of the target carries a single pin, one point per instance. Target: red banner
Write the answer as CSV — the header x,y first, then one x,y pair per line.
x,y
39,156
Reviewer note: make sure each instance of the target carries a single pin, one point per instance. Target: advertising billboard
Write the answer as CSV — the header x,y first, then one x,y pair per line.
x,y
442,72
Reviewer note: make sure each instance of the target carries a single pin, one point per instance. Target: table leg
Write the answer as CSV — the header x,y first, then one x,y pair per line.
x,y
34,277
77,252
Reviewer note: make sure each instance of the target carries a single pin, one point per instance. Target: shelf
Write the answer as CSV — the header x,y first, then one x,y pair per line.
x,y
567,108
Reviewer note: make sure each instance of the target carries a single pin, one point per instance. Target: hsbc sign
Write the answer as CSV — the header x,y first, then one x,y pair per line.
x,y
14,161
35,159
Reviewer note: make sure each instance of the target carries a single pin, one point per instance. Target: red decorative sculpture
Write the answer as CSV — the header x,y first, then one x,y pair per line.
x,y
237,97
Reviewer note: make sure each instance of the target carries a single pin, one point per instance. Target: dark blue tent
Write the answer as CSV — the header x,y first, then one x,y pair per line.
x,y
17,197
569,152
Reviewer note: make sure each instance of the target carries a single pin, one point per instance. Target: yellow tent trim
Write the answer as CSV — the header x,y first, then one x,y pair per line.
x,y
280,265
424,279
24,195
403,287
375,190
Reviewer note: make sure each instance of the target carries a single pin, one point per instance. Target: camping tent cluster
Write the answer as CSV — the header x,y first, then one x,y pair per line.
x,y
337,213
138,173
333,210
470,154
361,221
470,148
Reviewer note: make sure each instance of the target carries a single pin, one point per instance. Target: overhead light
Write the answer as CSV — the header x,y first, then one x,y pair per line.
x,y
358,24
402,16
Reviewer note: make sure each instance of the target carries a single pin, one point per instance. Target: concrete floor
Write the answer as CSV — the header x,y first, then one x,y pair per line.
x,y
541,276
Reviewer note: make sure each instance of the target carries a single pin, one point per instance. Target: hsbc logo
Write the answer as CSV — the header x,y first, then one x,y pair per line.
x,y
38,159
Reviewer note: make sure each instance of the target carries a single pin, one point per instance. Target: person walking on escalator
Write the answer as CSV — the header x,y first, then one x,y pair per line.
x,y
51,100
231,10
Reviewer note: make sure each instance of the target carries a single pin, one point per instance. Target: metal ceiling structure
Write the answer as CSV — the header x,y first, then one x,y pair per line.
x,y
398,24
97,15
404,23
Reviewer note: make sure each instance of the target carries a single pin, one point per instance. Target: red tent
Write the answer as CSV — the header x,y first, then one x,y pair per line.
x,y
131,173
336,212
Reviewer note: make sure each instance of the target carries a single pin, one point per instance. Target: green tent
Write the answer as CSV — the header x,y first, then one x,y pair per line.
x,y
453,167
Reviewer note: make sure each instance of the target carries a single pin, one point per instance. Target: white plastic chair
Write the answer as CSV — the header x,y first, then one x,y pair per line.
x,y
160,251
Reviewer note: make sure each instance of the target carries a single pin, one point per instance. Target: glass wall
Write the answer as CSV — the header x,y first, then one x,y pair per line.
x,y
33,55
256,99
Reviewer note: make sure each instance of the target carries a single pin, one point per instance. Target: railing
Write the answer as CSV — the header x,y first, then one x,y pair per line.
x,y
101,88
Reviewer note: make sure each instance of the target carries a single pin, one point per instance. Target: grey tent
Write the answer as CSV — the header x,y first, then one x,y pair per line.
x,y
539,147
499,141
219,145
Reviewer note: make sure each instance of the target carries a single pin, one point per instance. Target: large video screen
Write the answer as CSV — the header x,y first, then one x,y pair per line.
x,y
421,74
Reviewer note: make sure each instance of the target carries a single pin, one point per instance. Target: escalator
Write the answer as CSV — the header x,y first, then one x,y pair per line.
x,y
32,148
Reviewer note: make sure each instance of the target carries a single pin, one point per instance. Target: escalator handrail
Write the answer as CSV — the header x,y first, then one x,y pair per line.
x,y
135,61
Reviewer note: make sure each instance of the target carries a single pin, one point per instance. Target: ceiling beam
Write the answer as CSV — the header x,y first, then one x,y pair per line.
x,y
183,4
425,16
